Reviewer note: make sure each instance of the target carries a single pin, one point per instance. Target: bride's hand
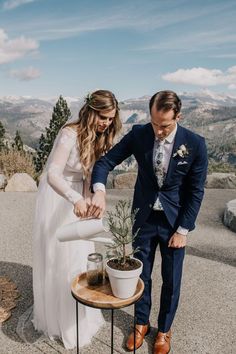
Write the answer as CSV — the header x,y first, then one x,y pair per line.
x,y
80,208
88,202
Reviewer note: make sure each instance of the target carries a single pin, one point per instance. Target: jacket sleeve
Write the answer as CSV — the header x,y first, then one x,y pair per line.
x,y
194,189
114,157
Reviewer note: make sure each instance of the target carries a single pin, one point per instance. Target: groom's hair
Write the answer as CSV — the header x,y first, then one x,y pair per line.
x,y
166,101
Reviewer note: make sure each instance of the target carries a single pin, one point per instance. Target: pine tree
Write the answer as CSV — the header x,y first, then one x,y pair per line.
x,y
2,136
61,113
18,143
41,157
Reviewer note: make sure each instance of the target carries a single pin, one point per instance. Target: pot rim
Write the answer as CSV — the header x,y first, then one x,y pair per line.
x,y
120,270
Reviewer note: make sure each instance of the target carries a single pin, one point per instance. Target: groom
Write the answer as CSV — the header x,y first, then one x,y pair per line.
x,y
172,167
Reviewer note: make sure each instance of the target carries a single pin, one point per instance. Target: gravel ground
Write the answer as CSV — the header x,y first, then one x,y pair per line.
x,y
206,318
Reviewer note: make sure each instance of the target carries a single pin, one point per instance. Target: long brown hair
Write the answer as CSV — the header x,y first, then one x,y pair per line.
x,y
93,145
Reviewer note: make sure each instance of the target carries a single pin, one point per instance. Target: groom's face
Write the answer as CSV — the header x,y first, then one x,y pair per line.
x,y
163,123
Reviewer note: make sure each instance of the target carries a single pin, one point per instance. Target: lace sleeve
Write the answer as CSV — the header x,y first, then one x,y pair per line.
x,y
59,159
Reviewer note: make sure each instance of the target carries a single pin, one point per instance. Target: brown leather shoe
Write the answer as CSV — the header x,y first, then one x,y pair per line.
x,y
162,343
141,331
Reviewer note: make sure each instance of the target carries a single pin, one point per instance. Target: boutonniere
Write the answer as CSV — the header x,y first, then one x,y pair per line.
x,y
182,151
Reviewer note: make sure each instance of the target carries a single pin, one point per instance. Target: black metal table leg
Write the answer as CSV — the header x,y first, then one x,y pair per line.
x,y
134,331
77,327
112,330
79,299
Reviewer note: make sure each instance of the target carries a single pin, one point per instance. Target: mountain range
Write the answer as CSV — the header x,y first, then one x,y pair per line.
x,y
209,114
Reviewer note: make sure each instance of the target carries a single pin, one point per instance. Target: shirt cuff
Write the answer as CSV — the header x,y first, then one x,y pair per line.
x,y
99,187
181,230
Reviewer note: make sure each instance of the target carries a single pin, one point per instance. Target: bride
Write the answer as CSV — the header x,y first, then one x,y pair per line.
x,y
62,197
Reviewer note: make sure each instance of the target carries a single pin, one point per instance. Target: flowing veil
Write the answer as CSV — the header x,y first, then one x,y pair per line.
x,y
49,213
44,206
56,263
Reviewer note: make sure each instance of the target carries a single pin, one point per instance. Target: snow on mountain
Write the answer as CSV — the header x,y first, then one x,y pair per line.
x,y
206,96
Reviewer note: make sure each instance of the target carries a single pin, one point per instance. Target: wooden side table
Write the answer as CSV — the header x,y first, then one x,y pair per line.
x,y
101,297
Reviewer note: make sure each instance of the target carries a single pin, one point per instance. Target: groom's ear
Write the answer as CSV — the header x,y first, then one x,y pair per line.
x,y
178,117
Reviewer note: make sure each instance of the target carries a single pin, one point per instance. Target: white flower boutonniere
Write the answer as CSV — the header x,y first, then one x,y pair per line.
x,y
182,151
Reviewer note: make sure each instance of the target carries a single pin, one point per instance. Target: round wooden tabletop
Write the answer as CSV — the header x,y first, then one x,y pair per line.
x,y
100,296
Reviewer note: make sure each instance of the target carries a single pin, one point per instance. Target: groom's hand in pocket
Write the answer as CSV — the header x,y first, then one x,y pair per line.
x,y
98,204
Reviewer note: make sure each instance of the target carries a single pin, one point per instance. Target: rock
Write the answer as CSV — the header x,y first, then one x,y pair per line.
x,y
3,181
110,181
221,180
230,215
125,180
21,182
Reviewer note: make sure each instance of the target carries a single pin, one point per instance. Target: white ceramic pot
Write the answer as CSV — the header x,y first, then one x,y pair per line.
x,y
124,282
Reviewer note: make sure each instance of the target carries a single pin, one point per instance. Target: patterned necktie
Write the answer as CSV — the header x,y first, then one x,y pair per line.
x,y
158,163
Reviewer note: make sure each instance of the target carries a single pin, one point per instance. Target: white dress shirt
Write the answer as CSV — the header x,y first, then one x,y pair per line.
x,y
168,147
167,152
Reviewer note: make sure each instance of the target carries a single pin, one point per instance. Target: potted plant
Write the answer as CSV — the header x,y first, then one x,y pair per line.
x,y
122,268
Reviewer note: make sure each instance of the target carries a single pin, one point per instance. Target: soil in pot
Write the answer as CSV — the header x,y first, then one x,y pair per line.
x,y
130,264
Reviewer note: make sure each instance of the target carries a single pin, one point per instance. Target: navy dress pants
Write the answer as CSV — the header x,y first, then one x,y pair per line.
x,y
157,230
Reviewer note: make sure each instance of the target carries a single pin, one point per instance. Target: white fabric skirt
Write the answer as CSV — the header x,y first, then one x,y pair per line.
x,y
55,264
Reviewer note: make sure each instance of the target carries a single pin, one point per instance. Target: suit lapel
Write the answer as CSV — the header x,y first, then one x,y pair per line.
x,y
179,140
149,143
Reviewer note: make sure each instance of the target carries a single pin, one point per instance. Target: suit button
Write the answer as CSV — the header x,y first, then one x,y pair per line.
x,y
150,205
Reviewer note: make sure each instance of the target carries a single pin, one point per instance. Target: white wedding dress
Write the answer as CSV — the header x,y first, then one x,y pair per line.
x,y
55,263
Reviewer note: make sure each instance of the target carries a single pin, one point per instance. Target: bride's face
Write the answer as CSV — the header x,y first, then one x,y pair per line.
x,y
104,120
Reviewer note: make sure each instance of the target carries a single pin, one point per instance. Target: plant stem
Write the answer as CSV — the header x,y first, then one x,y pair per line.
x,y
124,255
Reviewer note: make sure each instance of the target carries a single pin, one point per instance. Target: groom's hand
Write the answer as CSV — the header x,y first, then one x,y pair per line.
x,y
98,204
177,240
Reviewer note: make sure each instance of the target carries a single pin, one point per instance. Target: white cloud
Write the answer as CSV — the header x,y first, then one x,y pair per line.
x,y
222,56
232,70
192,42
13,49
12,4
26,74
138,16
232,87
202,77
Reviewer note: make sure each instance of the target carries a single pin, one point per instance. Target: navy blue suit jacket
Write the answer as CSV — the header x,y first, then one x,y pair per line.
x,y
183,188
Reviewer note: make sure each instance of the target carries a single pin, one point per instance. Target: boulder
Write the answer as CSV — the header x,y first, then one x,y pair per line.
x,y
230,215
125,180
3,181
21,182
221,180
110,181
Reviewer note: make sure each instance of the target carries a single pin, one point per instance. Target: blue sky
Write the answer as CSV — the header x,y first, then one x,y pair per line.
x,y
132,47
